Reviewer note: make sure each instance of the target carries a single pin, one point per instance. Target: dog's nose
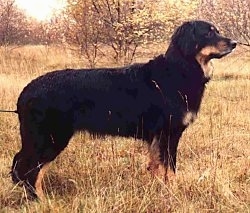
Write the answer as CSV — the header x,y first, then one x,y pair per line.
x,y
233,43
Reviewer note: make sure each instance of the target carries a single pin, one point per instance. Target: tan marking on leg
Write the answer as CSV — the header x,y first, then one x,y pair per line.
x,y
38,184
154,156
155,166
162,173
165,174
170,175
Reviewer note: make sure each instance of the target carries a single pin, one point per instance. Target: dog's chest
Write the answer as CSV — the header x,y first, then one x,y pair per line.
x,y
188,118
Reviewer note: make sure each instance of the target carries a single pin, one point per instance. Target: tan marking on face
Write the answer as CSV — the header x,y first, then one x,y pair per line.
x,y
222,46
206,51
206,66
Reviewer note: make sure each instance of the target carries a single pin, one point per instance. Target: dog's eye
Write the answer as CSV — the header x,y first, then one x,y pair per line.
x,y
210,34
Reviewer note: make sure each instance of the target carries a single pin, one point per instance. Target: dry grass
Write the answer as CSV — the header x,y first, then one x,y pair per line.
x,y
109,174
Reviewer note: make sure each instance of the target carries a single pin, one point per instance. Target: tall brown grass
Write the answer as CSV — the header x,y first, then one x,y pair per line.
x,y
109,174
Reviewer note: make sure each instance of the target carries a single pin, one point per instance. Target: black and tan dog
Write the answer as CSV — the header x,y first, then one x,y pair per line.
x,y
154,102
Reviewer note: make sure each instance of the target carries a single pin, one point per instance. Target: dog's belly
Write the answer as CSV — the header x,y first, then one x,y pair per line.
x,y
110,122
135,119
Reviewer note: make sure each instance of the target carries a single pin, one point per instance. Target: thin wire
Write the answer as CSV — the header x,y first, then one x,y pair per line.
x,y
14,111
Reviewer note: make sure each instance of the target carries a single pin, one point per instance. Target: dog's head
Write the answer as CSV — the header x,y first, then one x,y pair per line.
x,y
200,37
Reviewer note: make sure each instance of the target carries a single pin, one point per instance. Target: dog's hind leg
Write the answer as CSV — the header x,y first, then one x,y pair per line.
x,y
40,145
28,162
59,139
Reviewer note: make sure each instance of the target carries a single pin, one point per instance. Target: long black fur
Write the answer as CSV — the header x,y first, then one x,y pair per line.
x,y
146,101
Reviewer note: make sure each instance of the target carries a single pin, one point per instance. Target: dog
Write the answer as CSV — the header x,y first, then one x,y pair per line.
x,y
153,101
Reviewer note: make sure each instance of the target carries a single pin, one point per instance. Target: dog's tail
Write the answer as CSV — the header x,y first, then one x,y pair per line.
x,y
13,111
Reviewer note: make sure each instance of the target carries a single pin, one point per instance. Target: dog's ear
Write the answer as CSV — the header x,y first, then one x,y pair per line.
x,y
184,39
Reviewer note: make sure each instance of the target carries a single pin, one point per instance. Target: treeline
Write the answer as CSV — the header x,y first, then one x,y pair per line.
x,y
18,29
121,25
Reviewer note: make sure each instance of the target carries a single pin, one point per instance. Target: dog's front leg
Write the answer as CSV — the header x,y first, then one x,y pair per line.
x,y
157,166
162,157
154,155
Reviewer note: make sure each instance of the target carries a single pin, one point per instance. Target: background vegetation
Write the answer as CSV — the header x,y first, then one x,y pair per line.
x,y
122,25
109,174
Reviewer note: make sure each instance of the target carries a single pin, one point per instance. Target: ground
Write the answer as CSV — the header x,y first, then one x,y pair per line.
x,y
109,174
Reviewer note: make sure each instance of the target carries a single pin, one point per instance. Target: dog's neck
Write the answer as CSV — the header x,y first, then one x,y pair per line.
x,y
206,65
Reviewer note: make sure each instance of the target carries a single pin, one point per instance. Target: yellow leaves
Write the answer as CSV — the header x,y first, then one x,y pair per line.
x,y
231,16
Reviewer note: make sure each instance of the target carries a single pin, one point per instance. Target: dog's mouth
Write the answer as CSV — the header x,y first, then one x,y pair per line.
x,y
219,51
221,54
229,48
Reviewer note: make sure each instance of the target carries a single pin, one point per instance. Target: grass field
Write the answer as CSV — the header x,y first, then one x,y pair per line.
x,y
109,174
